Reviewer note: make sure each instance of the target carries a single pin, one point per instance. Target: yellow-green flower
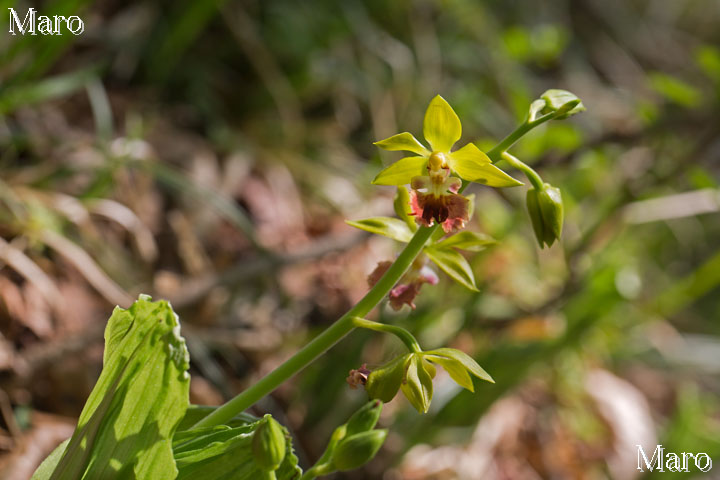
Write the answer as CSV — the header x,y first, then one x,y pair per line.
x,y
442,130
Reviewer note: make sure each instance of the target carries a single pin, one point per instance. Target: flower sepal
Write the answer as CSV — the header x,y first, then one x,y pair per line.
x,y
441,129
413,373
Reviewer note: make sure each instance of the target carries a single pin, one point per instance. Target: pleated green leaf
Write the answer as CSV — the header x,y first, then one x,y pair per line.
x,y
126,427
462,358
467,240
387,226
454,264
224,453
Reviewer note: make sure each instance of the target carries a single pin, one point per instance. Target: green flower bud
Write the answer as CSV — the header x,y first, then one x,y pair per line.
x,y
384,383
365,418
546,213
356,450
268,444
562,102
418,386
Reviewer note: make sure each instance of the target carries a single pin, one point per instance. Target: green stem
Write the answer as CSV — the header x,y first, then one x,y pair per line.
x,y
531,174
316,471
407,338
326,339
496,153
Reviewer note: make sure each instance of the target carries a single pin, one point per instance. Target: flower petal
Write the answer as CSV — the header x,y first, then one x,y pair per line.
x,y
417,387
403,141
473,165
470,364
468,153
456,369
404,294
457,206
402,171
442,126
420,183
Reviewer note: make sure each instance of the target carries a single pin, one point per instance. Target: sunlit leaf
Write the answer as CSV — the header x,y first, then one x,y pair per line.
x,y
454,264
126,427
467,240
225,453
387,226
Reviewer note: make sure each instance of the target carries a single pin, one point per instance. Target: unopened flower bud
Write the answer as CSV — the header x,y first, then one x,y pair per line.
x,y
356,450
268,444
562,102
417,385
546,213
365,418
384,383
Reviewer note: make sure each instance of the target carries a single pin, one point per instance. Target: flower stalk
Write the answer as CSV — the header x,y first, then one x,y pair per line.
x,y
518,164
441,131
406,337
326,339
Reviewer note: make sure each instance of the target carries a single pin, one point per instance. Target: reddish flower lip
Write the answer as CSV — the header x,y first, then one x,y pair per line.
x,y
450,210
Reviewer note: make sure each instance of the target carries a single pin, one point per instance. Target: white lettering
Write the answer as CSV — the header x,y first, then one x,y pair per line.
x,y
59,20
673,462
45,27
80,27
708,462
685,467
28,22
657,459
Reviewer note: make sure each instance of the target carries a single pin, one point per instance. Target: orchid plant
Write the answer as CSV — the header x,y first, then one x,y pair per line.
x,y
138,422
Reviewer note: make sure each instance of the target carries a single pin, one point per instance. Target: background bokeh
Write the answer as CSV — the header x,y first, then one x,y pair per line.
x,y
208,152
